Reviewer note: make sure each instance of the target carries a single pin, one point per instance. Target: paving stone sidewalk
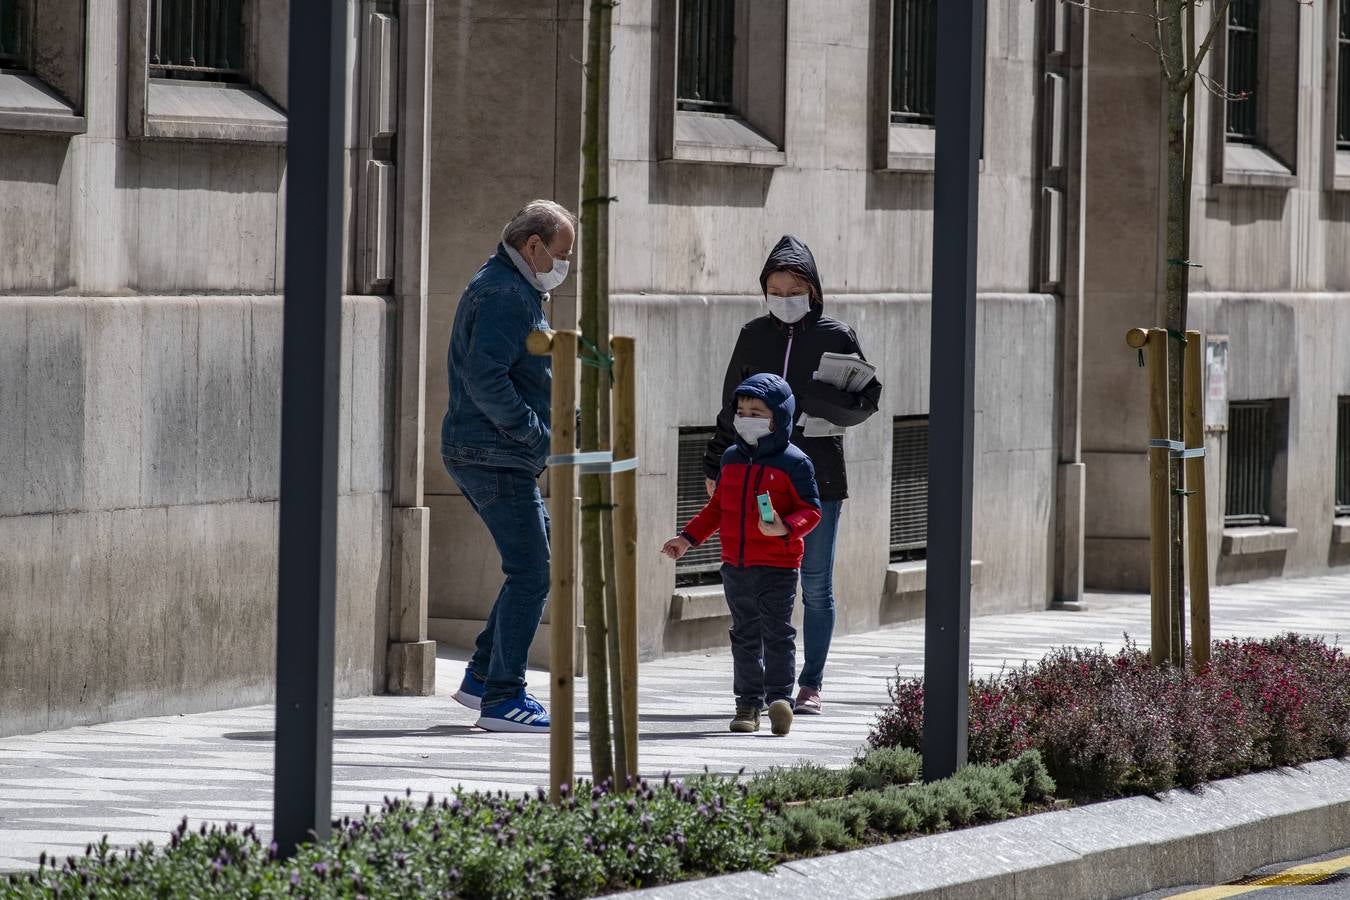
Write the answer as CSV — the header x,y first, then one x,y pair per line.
x,y
134,780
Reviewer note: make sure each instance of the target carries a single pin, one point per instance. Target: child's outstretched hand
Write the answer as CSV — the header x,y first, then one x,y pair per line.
x,y
676,547
776,528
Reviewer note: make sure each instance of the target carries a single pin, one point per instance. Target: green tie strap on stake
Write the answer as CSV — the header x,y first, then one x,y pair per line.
x,y
1177,336
595,359
1165,444
1184,262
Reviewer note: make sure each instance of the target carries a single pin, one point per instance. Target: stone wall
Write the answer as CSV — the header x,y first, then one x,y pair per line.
x,y
138,486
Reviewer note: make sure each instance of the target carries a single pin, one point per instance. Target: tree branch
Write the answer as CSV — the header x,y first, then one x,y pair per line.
x,y
1218,21
1085,4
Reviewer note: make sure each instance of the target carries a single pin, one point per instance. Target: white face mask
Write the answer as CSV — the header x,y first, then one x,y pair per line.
x,y
555,276
751,429
790,309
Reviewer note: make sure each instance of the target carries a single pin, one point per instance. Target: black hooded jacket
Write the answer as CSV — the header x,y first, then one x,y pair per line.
x,y
793,352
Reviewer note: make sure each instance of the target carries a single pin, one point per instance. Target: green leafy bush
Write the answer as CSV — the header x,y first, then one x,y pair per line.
x,y
469,845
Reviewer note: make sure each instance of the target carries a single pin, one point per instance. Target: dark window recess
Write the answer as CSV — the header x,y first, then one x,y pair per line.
x,y
1251,460
1343,79
197,39
707,47
1343,457
1243,19
691,494
13,34
909,489
913,61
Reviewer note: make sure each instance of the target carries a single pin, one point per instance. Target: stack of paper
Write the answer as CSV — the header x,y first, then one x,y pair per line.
x,y
844,371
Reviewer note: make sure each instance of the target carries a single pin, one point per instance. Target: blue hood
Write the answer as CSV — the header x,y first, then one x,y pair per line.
x,y
776,395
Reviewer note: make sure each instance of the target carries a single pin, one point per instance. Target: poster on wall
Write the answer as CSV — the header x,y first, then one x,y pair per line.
x,y
1216,382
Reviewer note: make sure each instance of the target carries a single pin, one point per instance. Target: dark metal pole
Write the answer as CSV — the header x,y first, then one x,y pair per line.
x,y
951,411
310,363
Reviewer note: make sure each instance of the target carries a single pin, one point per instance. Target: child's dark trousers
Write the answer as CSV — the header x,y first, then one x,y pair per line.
x,y
762,650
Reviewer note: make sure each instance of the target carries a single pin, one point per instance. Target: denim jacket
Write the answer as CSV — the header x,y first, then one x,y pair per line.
x,y
498,412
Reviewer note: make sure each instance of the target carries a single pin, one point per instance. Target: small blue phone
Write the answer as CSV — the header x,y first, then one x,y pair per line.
x,y
765,507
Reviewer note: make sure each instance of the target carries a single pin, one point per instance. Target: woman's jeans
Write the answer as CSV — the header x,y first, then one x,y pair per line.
x,y
508,502
818,594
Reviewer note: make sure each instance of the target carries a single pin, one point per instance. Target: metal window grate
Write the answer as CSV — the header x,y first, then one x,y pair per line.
x,y
913,61
197,39
690,496
1251,459
707,46
1343,79
13,34
1243,20
909,488
1343,457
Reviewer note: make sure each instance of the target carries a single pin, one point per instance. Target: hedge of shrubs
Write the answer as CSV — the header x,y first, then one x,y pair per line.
x,y
476,845
1114,724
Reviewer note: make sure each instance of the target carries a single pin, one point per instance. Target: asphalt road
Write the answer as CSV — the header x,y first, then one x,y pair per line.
x,y
1325,877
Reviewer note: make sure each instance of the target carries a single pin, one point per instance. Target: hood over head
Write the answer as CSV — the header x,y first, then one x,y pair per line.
x,y
791,254
776,395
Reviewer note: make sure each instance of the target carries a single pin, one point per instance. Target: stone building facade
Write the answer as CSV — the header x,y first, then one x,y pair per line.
x,y
142,196
142,188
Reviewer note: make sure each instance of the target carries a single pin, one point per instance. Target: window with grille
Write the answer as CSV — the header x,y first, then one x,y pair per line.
x,y
197,39
1251,462
1343,78
691,494
913,61
1243,19
909,488
1343,457
707,40
13,34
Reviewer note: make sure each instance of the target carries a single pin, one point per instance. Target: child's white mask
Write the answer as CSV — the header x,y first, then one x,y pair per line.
x,y
751,428
790,309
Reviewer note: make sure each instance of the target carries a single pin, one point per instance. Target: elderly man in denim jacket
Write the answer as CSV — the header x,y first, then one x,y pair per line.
x,y
494,442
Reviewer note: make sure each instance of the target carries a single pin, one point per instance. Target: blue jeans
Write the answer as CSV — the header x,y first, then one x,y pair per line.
x,y
818,594
508,502
763,652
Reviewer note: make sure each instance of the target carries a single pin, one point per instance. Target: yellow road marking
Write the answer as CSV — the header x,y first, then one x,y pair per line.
x,y
1307,873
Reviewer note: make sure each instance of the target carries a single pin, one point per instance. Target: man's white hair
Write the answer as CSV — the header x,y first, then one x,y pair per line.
x,y
542,217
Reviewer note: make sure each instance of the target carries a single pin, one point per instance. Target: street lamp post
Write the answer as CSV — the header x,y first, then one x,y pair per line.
x,y
951,412
311,356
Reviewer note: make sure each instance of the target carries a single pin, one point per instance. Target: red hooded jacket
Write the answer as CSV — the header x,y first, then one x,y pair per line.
x,y
773,466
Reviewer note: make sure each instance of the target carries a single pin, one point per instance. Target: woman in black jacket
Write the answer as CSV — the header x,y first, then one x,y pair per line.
x,y
788,341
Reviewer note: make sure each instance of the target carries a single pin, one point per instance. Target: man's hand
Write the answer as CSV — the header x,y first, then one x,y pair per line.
x,y
776,528
711,486
676,547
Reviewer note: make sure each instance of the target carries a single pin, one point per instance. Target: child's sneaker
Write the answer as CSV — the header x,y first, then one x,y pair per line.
x,y
470,691
780,716
522,714
746,721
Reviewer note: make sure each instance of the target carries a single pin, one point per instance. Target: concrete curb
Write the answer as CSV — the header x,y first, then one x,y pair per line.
x,y
1120,848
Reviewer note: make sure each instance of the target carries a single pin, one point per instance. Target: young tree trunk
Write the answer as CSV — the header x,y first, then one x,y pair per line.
x,y
604,11
595,330
1176,265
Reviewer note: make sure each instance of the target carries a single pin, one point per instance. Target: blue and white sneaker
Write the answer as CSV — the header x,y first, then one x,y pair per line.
x,y
471,690
522,714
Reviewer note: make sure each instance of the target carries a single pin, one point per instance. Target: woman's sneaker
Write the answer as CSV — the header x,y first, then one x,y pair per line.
x,y
808,702
746,721
471,690
522,714
780,716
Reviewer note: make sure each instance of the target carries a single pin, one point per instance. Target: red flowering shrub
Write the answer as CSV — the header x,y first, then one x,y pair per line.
x,y
1108,725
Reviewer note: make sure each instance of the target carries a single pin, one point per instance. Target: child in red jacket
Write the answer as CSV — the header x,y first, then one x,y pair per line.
x,y
760,559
